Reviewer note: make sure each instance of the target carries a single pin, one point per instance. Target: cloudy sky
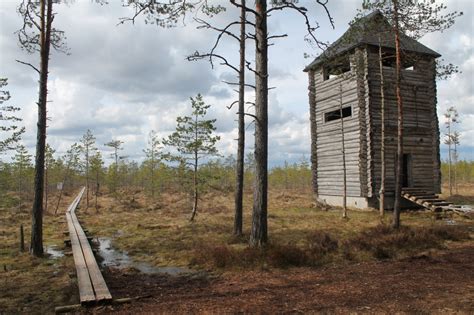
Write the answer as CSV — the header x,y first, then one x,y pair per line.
x,y
122,81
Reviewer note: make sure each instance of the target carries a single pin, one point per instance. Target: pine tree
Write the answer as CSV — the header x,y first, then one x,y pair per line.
x,y
73,162
49,162
11,133
96,164
87,147
153,158
21,163
38,35
194,139
117,146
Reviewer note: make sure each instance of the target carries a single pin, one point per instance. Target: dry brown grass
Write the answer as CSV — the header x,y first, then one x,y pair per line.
x,y
159,232
463,196
28,284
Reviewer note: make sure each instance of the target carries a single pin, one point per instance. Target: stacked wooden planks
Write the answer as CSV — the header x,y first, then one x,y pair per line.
x,y
426,199
92,286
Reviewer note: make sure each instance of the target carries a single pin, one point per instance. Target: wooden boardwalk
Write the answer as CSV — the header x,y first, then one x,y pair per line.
x,y
92,286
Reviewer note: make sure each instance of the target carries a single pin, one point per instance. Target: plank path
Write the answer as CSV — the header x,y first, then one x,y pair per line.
x,y
92,286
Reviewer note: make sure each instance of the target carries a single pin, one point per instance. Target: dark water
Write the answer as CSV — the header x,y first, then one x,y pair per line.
x,y
117,259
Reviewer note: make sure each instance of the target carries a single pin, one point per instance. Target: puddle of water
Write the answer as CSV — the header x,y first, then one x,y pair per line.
x,y
116,259
54,251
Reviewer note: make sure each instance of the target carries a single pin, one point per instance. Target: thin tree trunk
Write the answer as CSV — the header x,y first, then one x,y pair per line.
x,y
312,119
239,172
195,187
258,236
62,188
195,175
450,139
382,146
96,190
399,162
20,176
152,174
454,168
22,239
87,176
36,247
344,192
46,189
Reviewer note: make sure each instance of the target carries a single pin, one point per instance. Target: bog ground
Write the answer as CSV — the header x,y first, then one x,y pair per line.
x,y
316,261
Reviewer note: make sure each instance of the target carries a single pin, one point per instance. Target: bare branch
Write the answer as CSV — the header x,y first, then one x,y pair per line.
x,y
28,64
277,36
238,5
198,56
310,37
236,83
232,105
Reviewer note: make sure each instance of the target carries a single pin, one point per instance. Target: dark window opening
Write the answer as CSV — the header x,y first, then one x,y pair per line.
x,y
391,62
407,171
335,70
336,114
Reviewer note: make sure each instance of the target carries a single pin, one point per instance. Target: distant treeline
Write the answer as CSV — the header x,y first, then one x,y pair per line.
x,y
462,171
217,174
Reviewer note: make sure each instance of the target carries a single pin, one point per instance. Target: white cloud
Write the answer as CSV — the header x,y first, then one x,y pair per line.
x,y
123,81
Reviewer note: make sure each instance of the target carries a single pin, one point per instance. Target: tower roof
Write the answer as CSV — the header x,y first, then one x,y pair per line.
x,y
366,31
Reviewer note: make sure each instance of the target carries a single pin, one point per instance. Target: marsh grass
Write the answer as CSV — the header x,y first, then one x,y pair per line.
x,y
159,232
29,284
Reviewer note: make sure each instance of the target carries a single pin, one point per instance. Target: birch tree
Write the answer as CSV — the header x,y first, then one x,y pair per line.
x,y
451,119
456,142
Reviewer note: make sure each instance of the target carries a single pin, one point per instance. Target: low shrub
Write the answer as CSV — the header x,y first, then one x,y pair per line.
x,y
320,243
284,256
379,242
385,242
219,256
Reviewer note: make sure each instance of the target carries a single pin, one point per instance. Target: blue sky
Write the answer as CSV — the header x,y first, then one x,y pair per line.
x,y
124,81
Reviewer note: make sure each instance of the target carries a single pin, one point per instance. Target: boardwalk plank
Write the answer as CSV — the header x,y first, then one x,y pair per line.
x,y
86,292
92,286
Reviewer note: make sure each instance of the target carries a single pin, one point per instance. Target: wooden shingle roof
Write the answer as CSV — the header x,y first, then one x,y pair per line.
x,y
366,31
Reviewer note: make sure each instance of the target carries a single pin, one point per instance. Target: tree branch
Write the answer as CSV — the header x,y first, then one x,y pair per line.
x,y
28,64
197,56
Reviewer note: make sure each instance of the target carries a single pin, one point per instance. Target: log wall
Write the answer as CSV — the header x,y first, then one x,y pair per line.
x,y
421,130
329,174
361,91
